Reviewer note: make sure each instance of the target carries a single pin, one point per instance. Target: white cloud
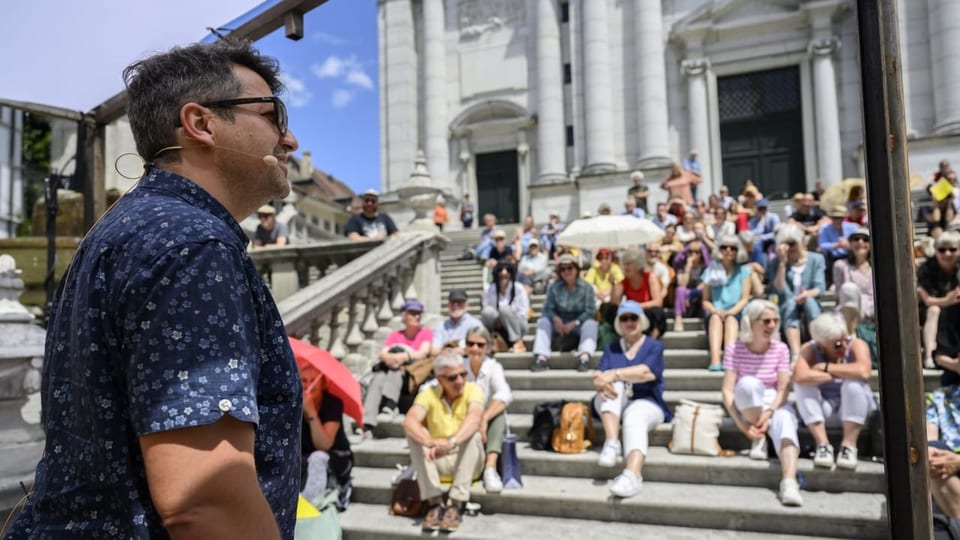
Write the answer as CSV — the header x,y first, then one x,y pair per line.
x,y
341,98
361,79
331,67
329,39
348,68
297,94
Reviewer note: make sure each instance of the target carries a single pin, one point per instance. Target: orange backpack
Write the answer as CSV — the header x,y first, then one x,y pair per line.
x,y
570,437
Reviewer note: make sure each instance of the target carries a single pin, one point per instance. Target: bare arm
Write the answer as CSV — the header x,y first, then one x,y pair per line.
x,y
413,425
356,237
203,482
859,369
807,373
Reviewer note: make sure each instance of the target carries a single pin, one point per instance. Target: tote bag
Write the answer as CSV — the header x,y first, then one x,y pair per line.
x,y
696,429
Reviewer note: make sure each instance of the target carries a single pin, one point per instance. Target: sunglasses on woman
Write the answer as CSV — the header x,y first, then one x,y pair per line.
x,y
728,248
481,344
630,317
946,250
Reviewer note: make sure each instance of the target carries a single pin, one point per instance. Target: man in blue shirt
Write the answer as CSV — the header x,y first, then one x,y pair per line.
x,y
832,240
171,398
764,224
691,165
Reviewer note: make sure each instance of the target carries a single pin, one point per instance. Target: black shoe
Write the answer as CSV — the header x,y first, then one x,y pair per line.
x,y
431,522
540,364
584,363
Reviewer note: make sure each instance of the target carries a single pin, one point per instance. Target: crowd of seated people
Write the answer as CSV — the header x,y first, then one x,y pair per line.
x,y
752,274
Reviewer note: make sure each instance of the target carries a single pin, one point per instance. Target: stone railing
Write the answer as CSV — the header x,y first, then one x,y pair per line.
x,y
291,268
347,309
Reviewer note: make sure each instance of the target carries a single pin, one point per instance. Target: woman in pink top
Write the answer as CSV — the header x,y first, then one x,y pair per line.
x,y
401,348
756,381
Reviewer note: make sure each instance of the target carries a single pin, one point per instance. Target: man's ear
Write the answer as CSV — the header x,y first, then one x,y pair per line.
x,y
197,124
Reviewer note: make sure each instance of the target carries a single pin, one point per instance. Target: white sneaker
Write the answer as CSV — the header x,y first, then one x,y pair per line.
x,y
626,484
609,454
387,415
823,456
491,481
847,458
928,363
758,450
790,493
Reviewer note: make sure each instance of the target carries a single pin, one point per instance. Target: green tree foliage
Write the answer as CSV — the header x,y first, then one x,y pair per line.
x,y
36,165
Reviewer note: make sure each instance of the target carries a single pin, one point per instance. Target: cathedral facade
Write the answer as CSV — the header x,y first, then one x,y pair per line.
x,y
548,106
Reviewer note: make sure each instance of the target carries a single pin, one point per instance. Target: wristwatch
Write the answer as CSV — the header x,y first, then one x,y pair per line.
x,y
453,441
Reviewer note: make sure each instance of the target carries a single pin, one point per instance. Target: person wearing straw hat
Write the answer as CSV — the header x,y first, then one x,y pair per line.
x,y
635,360
832,239
568,312
269,231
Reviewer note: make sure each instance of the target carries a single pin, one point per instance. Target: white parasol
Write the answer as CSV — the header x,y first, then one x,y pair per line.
x,y
610,232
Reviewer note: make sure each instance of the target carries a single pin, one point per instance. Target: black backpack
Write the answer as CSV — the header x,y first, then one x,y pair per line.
x,y
546,416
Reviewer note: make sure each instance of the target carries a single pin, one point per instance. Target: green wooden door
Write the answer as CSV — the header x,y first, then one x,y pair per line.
x,y
761,131
497,186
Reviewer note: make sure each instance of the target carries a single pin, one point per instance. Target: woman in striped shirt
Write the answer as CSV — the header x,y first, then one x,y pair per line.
x,y
756,382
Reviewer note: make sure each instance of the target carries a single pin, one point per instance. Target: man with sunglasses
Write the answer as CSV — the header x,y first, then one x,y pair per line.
x,y
370,223
164,339
442,429
938,290
269,232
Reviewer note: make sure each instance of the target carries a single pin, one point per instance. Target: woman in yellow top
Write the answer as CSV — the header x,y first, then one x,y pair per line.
x,y
602,276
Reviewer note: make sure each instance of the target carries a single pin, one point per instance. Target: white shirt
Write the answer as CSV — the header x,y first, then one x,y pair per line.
x,y
491,380
521,302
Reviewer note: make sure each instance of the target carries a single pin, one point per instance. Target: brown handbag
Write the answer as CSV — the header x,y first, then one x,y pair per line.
x,y
406,500
418,372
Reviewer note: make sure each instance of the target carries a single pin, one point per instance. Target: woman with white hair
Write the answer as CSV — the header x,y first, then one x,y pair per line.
x,y
488,374
629,385
831,380
726,292
641,285
938,289
798,279
756,384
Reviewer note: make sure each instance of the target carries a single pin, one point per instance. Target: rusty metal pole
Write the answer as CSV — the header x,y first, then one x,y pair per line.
x,y
901,376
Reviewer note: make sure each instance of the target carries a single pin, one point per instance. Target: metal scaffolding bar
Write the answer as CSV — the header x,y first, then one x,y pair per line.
x,y
891,227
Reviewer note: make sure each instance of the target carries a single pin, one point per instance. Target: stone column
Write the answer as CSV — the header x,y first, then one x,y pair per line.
x,y
651,80
398,90
944,19
826,112
696,70
597,91
435,93
551,144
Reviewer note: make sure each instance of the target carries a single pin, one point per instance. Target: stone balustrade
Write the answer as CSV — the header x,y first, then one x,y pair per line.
x,y
346,310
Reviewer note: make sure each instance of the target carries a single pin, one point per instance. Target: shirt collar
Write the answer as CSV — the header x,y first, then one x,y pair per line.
x,y
189,192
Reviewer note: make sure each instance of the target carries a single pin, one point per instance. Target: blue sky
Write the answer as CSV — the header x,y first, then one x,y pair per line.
x,y
70,54
332,90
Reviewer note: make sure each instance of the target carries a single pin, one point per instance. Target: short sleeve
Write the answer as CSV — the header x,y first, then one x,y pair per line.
x,y
190,347
353,226
425,398
730,357
473,393
783,357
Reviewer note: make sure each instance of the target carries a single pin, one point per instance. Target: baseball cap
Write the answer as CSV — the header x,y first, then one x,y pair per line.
x,y
763,203
412,304
862,232
457,295
533,242
370,193
631,306
266,209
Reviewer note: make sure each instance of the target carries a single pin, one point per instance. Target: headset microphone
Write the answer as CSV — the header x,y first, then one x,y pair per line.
x,y
271,160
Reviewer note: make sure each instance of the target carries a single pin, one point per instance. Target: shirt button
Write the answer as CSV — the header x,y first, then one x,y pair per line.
x,y
225,405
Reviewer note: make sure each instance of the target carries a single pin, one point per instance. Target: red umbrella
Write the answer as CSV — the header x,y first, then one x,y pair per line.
x,y
340,382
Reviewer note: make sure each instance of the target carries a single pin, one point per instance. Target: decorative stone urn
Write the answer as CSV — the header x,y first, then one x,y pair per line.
x,y
21,357
420,195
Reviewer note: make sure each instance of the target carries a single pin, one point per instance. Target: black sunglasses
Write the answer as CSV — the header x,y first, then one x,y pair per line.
x,y
476,343
279,109
629,317
838,344
947,250
728,248
564,268
455,376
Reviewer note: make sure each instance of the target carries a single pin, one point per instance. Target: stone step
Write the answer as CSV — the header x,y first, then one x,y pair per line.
x,y
688,339
676,379
660,465
372,522
846,515
673,358
730,437
524,401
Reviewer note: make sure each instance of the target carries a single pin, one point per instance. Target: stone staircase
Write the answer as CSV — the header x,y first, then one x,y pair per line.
x,y
683,496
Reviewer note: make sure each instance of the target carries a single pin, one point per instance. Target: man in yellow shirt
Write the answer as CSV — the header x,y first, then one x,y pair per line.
x,y
442,429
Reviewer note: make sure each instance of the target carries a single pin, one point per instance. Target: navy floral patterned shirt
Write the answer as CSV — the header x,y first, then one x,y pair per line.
x,y
162,323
